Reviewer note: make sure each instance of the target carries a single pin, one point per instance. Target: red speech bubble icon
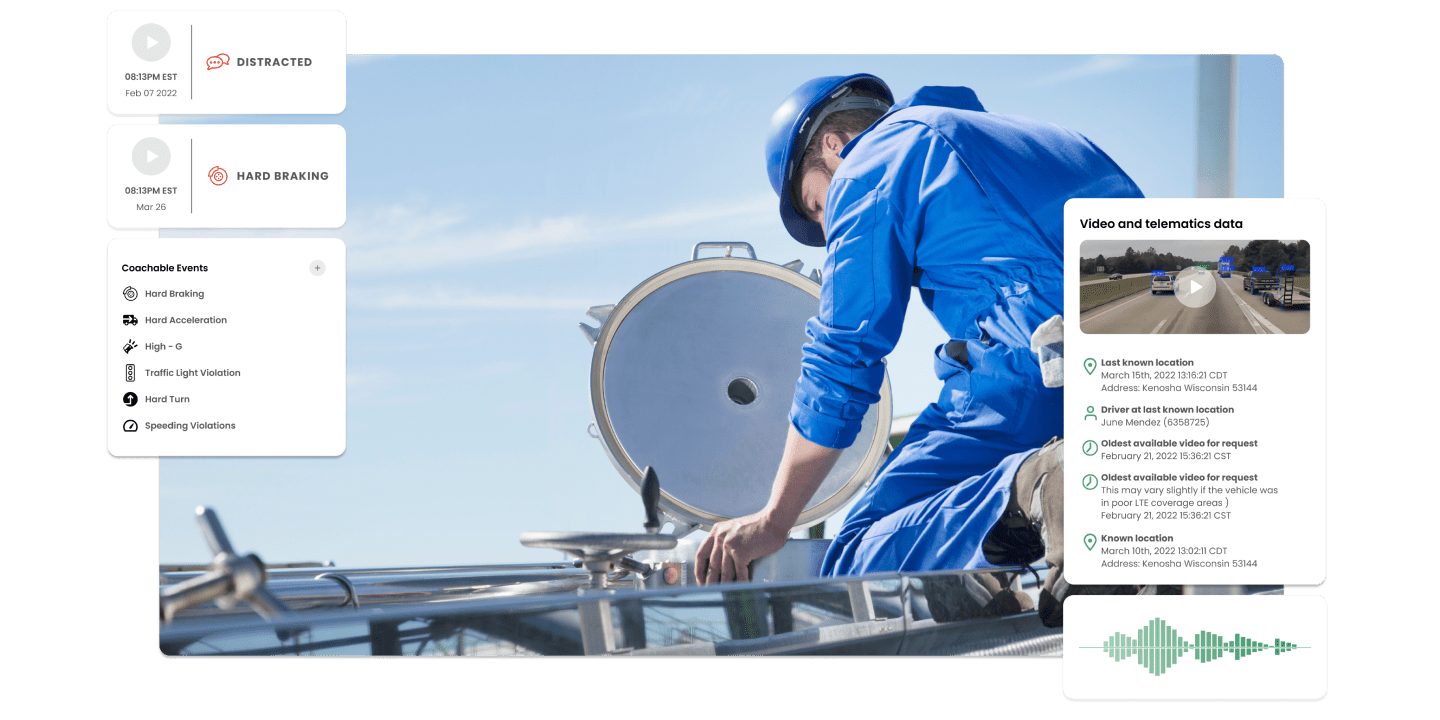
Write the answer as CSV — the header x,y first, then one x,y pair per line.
x,y
215,61
217,175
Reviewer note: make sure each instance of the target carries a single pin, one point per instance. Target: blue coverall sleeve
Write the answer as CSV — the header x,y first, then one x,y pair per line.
x,y
869,265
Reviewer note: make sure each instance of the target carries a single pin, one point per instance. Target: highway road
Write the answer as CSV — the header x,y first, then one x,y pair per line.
x,y
1232,310
1092,282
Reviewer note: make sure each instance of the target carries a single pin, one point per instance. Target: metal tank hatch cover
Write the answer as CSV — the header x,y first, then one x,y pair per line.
x,y
693,373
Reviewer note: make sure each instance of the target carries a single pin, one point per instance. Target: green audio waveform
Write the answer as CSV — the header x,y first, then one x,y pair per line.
x,y
1157,646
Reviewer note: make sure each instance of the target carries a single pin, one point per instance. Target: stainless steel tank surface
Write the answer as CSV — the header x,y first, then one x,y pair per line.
x,y
693,374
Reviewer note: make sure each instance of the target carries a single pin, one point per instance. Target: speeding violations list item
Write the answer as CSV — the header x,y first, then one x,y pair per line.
x,y
225,176
1195,402
250,62
225,347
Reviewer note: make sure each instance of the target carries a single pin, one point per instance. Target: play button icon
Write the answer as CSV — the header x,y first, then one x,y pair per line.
x,y
151,156
1194,287
150,42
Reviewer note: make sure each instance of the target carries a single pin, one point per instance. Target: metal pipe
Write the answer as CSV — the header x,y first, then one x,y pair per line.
x,y
214,534
423,569
265,603
195,591
270,567
332,590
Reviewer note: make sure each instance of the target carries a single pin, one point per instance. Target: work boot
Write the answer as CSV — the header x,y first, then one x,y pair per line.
x,y
1017,538
1038,500
1022,534
1038,496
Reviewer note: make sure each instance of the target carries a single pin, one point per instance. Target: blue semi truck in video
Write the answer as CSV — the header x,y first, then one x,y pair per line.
x,y
1227,266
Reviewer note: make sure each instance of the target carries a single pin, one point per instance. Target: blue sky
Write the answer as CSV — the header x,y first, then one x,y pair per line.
x,y
492,199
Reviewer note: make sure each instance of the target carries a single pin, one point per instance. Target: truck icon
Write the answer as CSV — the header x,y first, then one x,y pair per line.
x,y
129,320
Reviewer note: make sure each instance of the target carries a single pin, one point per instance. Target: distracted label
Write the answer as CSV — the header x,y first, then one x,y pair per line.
x,y
251,62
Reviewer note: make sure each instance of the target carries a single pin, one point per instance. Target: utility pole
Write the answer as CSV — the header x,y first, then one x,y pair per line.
x,y
1215,130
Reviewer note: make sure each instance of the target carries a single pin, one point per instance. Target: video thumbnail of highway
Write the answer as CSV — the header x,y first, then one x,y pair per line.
x,y
1196,287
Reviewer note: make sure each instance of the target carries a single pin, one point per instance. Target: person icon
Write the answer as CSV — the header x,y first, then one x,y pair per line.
x,y
1090,412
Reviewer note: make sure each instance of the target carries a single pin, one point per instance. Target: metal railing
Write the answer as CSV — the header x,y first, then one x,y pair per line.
x,y
874,614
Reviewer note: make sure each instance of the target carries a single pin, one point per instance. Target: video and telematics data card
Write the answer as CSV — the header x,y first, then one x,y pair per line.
x,y
226,176
1195,647
1195,391
225,347
230,63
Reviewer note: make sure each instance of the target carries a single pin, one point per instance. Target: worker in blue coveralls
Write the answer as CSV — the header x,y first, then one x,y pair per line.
x,y
936,193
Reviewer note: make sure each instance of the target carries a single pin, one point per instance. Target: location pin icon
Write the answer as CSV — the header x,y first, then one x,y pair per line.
x,y
1090,541
1090,366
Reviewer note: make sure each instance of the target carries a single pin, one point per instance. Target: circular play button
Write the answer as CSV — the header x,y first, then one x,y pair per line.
x,y
150,42
151,156
1194,287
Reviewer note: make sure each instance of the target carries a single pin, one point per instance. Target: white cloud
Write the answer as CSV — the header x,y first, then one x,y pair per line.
x,y
178,119
1095,65
688,100
353,59
460,298
357,379
414,235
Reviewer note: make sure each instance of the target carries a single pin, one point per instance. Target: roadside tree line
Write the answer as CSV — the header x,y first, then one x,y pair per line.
x,y
1269,253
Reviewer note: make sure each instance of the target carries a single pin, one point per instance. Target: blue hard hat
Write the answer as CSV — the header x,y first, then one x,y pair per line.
x,y
791,128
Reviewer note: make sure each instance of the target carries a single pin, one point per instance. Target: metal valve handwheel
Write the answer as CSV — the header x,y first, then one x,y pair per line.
x,y
603,552
232,577
600,553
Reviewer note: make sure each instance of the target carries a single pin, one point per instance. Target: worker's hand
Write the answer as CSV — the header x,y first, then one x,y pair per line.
x,y
726,554
732,544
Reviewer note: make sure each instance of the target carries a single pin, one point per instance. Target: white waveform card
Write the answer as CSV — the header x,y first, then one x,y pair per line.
x,y
1195,647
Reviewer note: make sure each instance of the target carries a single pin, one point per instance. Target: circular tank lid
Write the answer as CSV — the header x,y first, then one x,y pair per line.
x,y
693,374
